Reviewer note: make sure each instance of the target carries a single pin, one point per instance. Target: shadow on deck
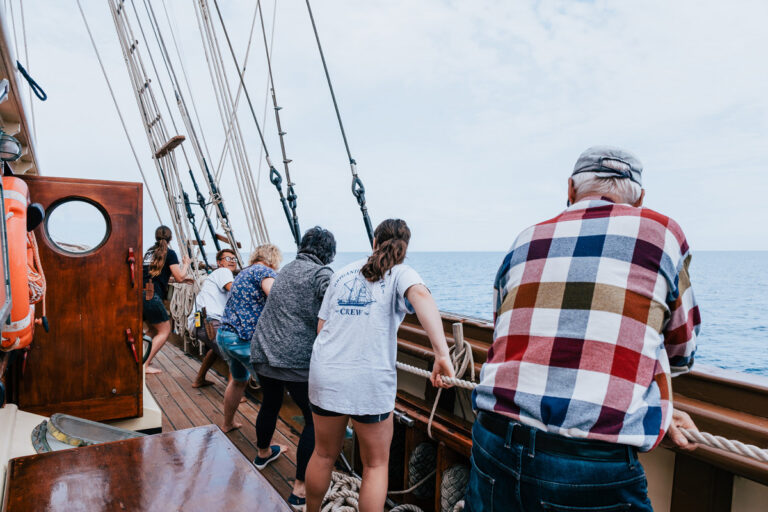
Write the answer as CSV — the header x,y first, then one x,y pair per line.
x,y
184,406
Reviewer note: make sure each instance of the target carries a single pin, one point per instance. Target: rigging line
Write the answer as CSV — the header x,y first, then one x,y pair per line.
x,y
155,31
280,131
266,92
229,121
226,95
236,141
229,147
291,193
170,70
358,190
176,189
119,113
242,81
151,60
186,78
180,100
149,110
26,58
274,175
330,86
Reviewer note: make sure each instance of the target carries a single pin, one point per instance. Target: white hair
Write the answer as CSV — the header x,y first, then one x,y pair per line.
x,y
603,183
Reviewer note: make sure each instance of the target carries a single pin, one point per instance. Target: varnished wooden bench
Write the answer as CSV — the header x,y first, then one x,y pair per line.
x,y
197,469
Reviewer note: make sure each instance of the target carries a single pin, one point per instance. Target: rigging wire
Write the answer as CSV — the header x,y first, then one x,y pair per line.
x,y
171,25
119,113
26,60
234,140
266,92
358,190
275,177
291,192
229,125
156,132
184,111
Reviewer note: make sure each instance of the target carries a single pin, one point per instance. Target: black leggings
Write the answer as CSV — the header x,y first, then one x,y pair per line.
x,y
272,393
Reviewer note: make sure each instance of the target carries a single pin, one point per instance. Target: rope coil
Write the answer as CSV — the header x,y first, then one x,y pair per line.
x,y
344,493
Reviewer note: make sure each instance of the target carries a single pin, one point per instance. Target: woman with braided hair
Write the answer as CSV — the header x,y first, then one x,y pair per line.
x,y
352,372
160,263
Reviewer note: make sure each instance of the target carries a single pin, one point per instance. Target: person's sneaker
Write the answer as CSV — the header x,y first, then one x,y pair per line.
x,y
261,462
297,503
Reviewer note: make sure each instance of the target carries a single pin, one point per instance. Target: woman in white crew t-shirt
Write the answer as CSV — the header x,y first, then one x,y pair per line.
x,y
352,372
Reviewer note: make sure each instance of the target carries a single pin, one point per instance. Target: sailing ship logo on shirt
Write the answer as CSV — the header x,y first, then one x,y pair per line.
x,y
357,296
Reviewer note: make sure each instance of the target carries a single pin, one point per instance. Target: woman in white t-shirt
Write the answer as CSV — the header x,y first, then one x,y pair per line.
x,y
352,372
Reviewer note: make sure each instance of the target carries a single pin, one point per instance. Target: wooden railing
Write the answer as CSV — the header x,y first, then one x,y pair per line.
x,y
725,403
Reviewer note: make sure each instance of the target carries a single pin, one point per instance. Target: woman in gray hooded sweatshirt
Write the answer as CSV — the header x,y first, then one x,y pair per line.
x,y
281,347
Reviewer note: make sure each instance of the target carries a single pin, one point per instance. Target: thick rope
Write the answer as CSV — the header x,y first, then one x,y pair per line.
x,y
344,493
705,438
182,304
461,358
35,274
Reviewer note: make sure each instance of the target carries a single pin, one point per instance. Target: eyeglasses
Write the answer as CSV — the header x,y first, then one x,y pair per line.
x,y
230,259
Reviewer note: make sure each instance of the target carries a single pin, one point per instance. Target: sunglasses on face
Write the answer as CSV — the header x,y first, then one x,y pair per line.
x,y
229,259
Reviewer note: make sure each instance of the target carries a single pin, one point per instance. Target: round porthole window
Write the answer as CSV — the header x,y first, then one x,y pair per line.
x,y
76,226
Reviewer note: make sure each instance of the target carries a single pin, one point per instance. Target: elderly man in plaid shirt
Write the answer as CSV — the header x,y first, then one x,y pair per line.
x,y
594,312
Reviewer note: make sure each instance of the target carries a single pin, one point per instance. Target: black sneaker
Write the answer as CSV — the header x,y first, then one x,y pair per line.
x,y
261,462
298,504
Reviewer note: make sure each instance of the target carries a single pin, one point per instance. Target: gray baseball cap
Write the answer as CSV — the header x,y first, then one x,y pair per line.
x,y
610,160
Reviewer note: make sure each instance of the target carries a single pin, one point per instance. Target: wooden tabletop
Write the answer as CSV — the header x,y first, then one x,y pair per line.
x,y
190,470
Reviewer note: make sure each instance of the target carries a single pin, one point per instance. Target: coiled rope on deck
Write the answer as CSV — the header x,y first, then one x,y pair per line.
x,y
344,493
705,438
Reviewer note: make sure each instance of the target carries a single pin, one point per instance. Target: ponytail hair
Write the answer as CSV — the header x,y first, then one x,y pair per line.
x,y
163,235
392,237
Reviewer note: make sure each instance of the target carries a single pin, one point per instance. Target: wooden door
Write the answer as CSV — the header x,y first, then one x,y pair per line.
x,y
84,366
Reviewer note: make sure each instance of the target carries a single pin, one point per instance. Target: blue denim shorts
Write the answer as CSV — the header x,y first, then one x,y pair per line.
x,y
237,353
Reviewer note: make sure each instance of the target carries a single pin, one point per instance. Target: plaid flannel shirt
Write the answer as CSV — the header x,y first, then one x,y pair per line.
x,y
593,313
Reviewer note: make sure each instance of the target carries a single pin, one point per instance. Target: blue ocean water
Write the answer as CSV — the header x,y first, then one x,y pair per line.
x,y
731,288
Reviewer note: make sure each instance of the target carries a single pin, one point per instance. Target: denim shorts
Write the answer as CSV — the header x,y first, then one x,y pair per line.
x,y
360,418
237,353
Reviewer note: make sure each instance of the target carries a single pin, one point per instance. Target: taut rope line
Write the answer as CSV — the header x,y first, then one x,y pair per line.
x,y
119,113
358,190
705,438
274,175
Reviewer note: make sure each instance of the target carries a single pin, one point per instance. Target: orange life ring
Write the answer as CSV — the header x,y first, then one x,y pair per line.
x,y
19,333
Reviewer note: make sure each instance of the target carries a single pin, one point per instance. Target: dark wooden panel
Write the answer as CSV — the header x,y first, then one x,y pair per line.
x,y
96,409
700,486
90,300
193,469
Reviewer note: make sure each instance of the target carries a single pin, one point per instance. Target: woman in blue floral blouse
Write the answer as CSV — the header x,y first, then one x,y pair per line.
x,y
246,301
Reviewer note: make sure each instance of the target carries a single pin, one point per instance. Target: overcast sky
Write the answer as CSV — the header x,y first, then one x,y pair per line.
x,y
465,117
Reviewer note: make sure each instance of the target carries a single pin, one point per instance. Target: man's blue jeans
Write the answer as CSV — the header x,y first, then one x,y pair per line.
x,y
509,477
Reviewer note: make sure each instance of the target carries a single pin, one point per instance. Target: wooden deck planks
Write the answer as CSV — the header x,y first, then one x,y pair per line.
x,y
211,399
184,406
